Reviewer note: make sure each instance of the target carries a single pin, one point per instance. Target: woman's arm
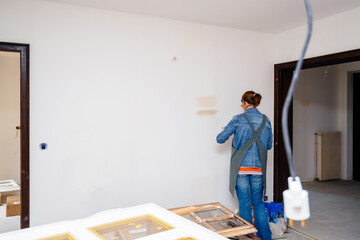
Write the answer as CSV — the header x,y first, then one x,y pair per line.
x,y
227,132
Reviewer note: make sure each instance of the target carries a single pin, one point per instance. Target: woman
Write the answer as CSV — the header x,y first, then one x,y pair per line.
x,y
252,139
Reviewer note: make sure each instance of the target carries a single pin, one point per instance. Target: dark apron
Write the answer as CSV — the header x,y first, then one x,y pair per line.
x,y
238,155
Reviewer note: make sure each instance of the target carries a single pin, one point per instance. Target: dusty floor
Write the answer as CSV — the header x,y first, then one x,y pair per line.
x,y
8,223
334,209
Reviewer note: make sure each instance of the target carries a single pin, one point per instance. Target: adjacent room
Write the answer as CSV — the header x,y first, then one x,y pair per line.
x,y
107,105
10,140
325,116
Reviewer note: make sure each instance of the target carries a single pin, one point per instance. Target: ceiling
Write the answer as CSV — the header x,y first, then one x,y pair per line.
x,y
271,16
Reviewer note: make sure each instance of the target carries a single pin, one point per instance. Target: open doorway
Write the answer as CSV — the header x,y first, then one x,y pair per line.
x,y
15,157
322,135
324,101
283,75
10,141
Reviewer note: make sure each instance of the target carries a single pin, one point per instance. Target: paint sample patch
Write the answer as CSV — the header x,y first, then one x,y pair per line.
x,y
207,101
304,103
206,112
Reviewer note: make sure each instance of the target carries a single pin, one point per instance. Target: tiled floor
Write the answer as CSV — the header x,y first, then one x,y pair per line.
x,y
291,234
334,209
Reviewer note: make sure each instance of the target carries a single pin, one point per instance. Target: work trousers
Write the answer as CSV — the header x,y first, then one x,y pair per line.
x,y
249,190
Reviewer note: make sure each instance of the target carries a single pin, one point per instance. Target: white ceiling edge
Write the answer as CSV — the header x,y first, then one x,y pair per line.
x,y
268,16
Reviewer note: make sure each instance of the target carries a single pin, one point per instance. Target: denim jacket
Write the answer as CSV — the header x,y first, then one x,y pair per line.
x,y
240,127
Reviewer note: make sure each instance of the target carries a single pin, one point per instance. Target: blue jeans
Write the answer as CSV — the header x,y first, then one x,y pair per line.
x,y
249,188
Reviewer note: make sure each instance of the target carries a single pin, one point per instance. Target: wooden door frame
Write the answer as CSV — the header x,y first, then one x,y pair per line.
x,y
281,76
356,165
24,50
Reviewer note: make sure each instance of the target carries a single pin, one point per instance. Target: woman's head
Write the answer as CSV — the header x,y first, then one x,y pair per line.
x,y
250,99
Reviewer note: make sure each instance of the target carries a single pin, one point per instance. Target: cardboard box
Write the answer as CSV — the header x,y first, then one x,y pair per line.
x,y
13,206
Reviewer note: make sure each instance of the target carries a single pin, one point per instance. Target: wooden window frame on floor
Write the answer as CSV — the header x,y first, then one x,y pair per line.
x,y
245,229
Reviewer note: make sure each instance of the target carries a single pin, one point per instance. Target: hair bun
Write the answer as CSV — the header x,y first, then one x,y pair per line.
x,y
252,98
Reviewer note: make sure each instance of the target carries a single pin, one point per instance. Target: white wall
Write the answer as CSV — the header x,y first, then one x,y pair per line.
x,y
334,34
120,117
9,116
316,109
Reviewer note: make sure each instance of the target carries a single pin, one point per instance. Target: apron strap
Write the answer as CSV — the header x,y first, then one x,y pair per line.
x,y
255,136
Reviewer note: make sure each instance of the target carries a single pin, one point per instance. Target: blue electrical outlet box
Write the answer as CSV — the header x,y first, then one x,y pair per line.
x,y
43,146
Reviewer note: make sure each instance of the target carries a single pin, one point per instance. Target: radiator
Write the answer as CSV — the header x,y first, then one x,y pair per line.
x,y
328,155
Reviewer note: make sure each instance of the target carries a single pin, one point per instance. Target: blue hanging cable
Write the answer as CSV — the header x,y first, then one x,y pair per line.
x,y
284,120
